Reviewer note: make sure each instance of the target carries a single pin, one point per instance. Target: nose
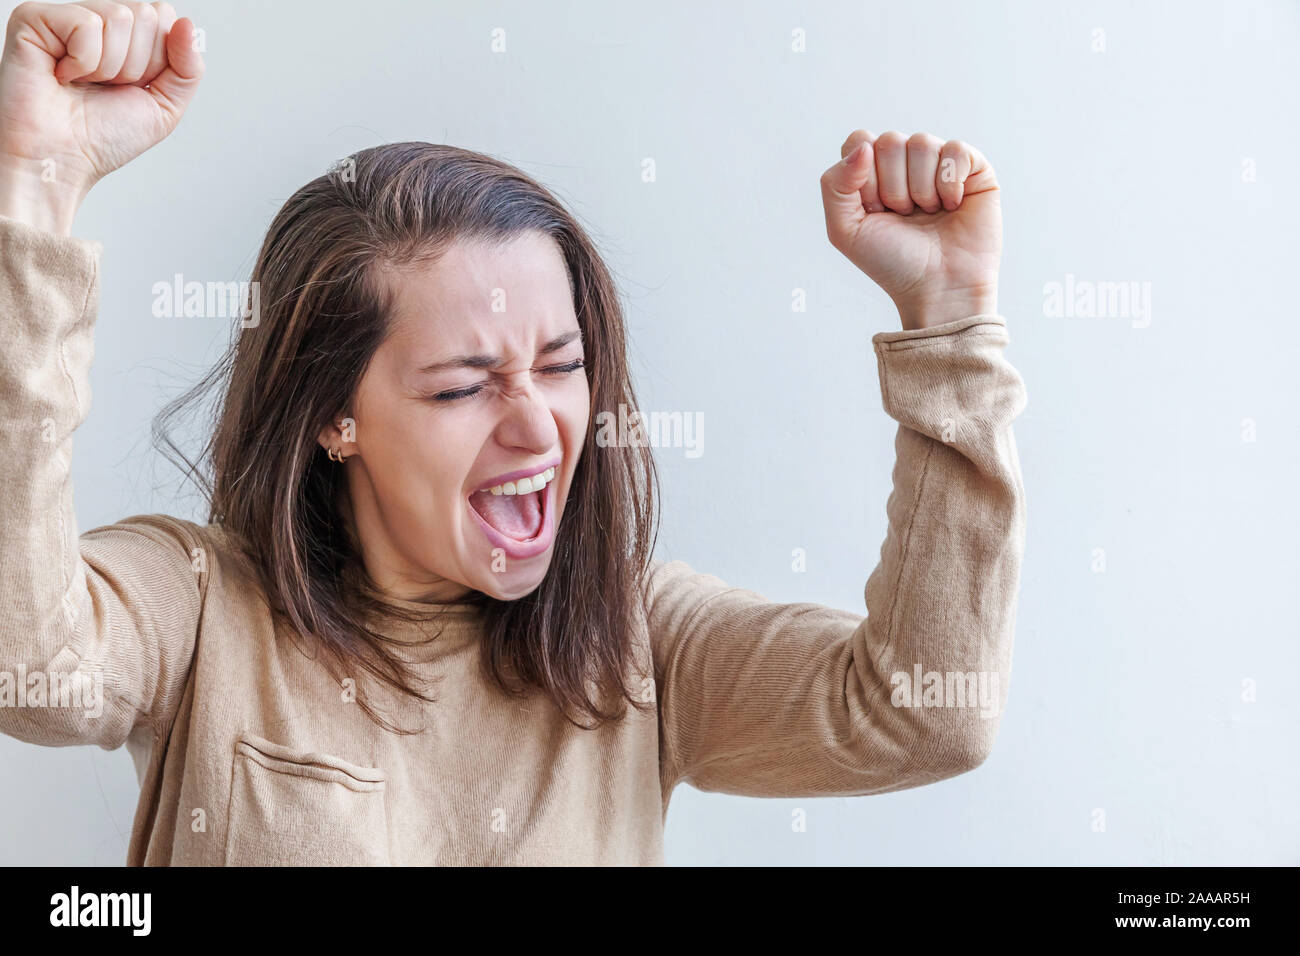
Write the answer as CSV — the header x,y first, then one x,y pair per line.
x,y
527,421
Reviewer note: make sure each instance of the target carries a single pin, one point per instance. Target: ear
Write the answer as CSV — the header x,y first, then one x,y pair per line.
x,y
339,435
329,437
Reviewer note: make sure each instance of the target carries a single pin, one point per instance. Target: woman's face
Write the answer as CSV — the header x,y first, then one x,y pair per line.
x,y
480,382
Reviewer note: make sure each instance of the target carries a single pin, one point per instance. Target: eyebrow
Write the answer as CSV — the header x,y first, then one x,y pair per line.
x,y
494,361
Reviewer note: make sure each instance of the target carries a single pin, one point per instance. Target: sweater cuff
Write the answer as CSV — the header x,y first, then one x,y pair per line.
x,y
951,382
903,338
51,252
49,284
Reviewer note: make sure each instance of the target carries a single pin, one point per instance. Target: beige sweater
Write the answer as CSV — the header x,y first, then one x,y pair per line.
x,y
249,753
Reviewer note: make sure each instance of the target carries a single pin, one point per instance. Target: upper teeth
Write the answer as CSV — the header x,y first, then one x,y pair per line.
x,y
524,486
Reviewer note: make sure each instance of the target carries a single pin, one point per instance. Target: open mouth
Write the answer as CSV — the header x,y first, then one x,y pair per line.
x,y
518,517
514,514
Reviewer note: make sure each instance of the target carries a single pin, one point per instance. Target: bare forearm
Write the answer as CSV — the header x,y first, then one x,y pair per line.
x,y
30,195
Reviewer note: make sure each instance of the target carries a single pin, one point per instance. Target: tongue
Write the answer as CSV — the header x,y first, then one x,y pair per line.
x,y
516,516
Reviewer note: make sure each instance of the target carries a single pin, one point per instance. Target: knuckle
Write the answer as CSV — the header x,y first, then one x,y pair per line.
x,y
87,16
919,142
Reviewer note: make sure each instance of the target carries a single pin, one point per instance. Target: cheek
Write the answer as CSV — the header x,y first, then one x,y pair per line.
x,y
573,410
417,460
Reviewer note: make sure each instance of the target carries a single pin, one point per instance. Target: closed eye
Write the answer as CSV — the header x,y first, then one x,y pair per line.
x,y
568,369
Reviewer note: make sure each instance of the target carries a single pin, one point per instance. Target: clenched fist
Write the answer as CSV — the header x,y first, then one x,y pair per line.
x,y
85,88
922,218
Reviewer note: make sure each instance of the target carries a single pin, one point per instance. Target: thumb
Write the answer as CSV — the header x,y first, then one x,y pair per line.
x,y
842,187
176,85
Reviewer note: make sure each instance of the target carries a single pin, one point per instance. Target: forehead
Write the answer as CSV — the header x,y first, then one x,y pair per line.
x,y
483,293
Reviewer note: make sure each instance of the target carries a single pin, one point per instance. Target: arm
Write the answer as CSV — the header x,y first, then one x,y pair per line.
x,y
113,614
96,632
771,699
785,700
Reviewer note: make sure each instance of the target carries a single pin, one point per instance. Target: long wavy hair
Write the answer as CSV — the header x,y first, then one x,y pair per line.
x,y
323,313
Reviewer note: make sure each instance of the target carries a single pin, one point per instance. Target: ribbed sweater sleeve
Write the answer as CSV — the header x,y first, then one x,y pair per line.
x,y
109,614
798,699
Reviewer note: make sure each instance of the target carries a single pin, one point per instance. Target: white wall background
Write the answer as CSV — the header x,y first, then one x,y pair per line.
x,y
1131,163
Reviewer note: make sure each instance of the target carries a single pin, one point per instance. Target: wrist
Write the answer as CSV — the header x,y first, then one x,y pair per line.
x,y
28,196
923,312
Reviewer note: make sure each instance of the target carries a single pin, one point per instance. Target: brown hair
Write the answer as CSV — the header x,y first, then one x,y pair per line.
x,y
323,313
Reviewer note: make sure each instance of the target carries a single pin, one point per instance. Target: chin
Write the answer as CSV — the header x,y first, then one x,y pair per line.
x,y
510,586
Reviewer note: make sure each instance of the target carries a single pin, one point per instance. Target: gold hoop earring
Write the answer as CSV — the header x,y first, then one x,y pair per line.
x,y
335,454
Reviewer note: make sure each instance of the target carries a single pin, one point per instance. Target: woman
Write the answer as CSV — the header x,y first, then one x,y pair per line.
x,y
411,629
